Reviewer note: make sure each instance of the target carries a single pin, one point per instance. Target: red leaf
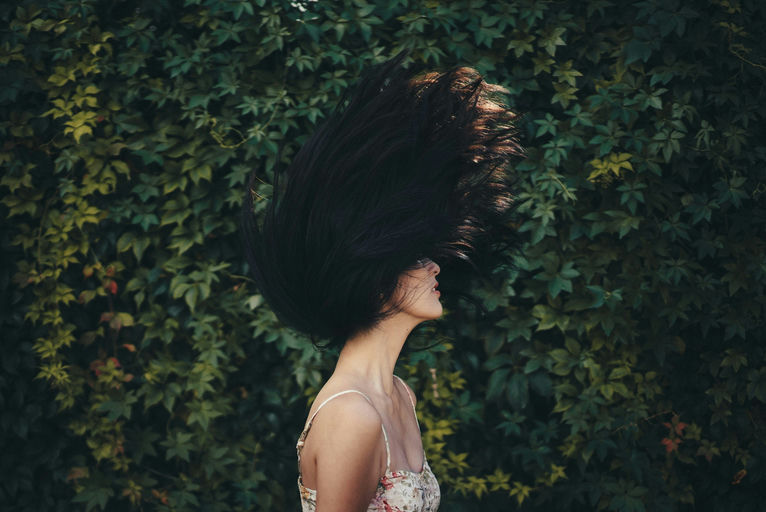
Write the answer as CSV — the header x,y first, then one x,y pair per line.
x,y
95,365
670,444
739,475
77,472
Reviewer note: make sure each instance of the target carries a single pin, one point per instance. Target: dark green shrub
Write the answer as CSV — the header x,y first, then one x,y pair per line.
x,y
621,362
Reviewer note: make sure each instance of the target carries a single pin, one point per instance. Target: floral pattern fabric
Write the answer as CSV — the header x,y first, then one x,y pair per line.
x,y
398,491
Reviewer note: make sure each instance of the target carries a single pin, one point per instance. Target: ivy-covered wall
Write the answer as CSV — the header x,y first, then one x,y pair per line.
x,y
621,365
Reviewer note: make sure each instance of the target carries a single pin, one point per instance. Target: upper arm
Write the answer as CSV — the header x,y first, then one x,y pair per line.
x,y
348,455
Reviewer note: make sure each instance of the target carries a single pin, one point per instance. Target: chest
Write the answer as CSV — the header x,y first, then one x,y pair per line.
x,y
405,442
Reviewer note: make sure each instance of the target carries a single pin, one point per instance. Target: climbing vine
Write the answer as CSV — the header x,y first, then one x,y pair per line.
x,y
618,364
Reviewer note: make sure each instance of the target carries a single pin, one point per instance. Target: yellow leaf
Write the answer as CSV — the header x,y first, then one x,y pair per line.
x,y
521,491
120,167
80,131
557,472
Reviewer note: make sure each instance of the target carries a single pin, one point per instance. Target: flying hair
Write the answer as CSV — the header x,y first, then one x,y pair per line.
x,y
407,165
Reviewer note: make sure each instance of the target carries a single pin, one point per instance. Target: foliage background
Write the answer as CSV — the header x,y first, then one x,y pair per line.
x,y
620,365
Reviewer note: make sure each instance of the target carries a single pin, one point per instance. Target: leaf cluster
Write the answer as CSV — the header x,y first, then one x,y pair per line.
x,y
618,364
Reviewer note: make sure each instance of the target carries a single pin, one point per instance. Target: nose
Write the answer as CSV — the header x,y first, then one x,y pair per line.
x,y
430,265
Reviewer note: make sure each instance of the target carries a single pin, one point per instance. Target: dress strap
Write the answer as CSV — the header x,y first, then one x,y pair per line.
x,y
411,400
304,433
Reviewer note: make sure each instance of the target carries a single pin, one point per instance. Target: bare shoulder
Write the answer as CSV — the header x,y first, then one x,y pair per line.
x,y
349,416
348,453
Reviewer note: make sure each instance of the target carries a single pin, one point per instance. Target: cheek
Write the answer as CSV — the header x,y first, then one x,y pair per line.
x,y
413,283
420,300
423,289
428,300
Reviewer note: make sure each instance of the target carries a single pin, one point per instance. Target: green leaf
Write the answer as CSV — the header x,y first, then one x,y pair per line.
x,y
541,383
619,373
637,50
497,383
518,391
94,497
572,346
179,445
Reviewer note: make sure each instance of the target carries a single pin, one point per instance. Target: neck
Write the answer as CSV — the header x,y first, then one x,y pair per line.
x,y
371,356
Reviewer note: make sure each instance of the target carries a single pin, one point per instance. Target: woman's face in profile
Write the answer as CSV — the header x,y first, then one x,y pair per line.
x,y
421,298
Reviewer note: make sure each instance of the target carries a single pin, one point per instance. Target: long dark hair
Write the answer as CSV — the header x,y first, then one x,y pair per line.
x,y
407,165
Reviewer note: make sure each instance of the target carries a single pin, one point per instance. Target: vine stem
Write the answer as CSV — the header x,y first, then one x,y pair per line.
x,y
635,423
40,233
739,56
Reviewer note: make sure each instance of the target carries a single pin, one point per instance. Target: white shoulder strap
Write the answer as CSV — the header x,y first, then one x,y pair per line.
x,y
411,400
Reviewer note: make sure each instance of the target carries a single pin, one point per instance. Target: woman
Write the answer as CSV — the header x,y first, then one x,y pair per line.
x,y
408,166
368,425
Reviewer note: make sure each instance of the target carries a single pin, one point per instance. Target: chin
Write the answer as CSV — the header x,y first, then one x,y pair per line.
x,y
432,313
437,313
425,307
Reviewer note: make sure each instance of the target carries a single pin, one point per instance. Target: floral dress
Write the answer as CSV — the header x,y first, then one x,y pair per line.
x,y
398,491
